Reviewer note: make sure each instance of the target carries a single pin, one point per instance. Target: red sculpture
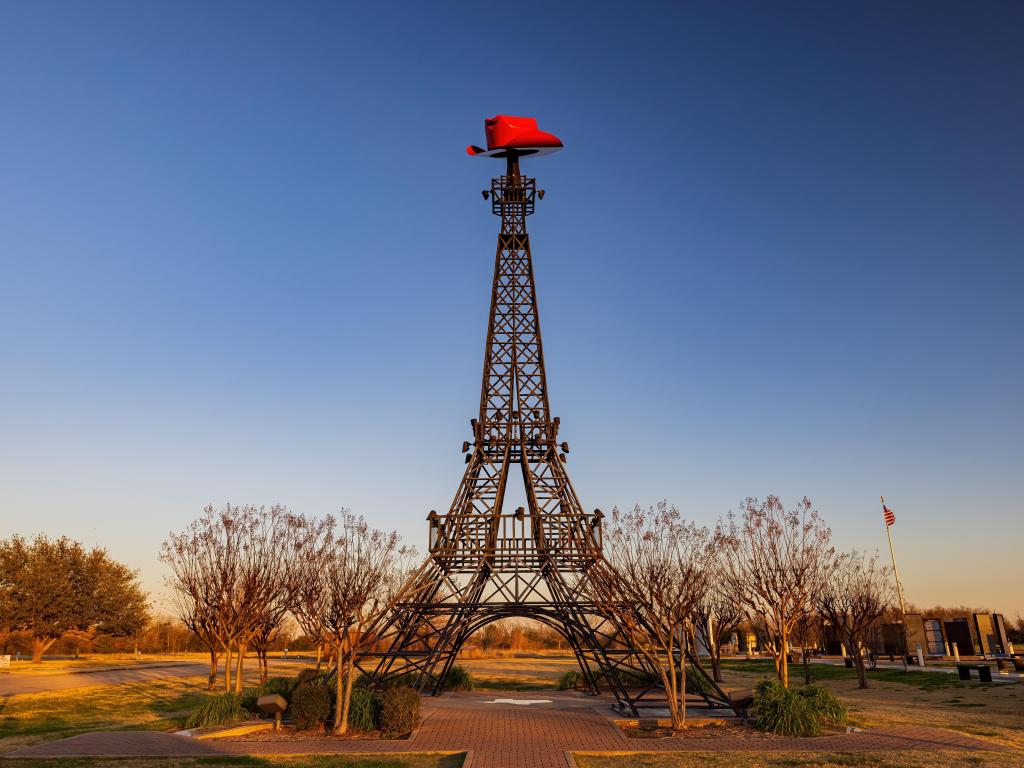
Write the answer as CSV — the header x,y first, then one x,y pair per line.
x,y
515,135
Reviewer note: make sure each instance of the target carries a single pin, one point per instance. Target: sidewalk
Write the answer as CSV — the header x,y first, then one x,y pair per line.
x,y
497,735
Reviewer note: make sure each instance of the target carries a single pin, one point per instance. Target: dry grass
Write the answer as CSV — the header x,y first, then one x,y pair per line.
x,y
518,674
159,704
903,759
989,711
148,705
302,761
94,661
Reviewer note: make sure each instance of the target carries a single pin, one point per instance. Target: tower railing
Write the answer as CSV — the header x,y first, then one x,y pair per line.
x,y
513,196
514,541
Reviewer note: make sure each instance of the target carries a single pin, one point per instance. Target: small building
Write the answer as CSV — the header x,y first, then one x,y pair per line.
x,y
973,634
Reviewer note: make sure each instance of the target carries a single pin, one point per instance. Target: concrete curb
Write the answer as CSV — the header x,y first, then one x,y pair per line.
x,y
226,731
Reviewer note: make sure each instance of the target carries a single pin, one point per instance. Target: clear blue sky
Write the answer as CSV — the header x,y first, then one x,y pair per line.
x,y
244,257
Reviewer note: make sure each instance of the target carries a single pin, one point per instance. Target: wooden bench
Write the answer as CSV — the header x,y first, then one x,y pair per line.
x,y
984,672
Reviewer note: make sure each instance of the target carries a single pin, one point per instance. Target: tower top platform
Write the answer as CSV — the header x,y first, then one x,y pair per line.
x,y
509,136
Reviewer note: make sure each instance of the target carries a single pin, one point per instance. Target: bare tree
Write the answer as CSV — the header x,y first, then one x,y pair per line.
x,y
270,630
234,573
855,599
270,576
716,616
203,560
774,561
805,633
349,582
655,572
309,603
192,607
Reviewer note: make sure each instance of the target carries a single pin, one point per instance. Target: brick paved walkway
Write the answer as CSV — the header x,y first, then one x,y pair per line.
x,y
503,736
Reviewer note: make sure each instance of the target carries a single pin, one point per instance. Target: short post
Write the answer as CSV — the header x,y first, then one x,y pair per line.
x,y
956,653
947,649
920,655
1010,646
842,649
273,704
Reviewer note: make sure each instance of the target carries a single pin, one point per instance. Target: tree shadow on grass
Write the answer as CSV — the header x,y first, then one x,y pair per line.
x,y
146,705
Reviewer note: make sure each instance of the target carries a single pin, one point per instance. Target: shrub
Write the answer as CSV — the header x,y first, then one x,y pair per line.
x,y
310,705
829,709
407,680
399,711
570,680
217,710
362,710
458,679
311,675
279,685
784,711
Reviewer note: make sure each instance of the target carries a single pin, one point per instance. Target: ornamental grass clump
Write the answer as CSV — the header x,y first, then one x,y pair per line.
x,y
829,709
790,712
458,679
362,710
217,710
784,711
571,680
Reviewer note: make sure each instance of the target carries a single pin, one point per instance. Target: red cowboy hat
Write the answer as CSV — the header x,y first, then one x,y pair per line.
x,y
520,135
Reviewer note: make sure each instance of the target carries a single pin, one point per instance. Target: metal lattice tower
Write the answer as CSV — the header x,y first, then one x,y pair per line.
x,y
485,563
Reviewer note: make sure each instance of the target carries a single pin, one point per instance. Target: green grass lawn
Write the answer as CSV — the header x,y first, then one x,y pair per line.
x,y
157,705
925,681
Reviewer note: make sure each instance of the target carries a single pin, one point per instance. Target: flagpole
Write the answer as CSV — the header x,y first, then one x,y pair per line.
x,y
899,586
895,571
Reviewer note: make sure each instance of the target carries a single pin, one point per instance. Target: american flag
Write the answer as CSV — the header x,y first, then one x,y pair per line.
x,y
890,518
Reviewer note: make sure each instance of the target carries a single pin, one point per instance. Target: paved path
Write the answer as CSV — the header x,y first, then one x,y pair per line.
x,y
503,736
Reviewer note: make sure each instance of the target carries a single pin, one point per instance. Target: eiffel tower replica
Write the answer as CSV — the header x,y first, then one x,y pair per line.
x,y
486,563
